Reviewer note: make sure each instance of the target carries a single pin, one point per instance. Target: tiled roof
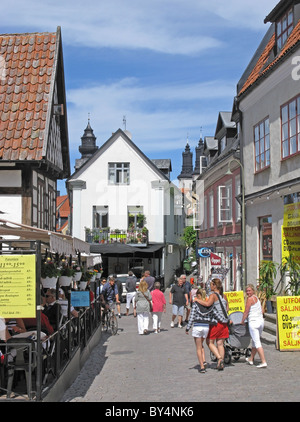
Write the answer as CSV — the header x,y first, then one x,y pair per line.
x,y
262,66
63,205
26,70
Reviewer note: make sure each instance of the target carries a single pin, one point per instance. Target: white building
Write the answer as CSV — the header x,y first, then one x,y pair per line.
x,y
118,187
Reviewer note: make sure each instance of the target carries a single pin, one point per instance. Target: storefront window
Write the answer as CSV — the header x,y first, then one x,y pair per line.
x,y
265,236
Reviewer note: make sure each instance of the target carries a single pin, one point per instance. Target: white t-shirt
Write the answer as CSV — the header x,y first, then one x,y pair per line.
x,y
2,329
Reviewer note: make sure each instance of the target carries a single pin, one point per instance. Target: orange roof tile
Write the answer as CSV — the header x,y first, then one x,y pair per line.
x,y
260,68
26,70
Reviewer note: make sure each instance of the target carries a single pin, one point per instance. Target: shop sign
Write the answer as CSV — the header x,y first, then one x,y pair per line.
x,y
215,260
204,252
236,302
288,323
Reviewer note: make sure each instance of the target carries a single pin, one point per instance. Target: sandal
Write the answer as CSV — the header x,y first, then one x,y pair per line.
x,y
220,365
202,370
205,364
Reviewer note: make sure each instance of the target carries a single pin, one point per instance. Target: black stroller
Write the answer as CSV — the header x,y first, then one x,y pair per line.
x,y
238,343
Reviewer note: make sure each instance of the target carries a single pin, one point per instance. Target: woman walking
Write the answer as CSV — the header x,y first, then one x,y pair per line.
x,y
159,306
218,332
143,300
254,313
200,318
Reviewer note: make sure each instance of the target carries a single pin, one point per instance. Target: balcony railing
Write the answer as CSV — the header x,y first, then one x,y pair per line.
x,y
129,237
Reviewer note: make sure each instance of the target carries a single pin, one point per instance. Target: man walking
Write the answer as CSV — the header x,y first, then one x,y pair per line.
x,y
149,280
180,300
131,291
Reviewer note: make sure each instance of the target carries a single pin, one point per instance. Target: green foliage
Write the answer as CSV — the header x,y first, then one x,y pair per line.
x,y
267,275
289,267
49,269
189,237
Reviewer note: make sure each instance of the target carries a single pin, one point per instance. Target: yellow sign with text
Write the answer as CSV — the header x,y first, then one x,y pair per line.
x,y
17,286
291,242
288,323
236,302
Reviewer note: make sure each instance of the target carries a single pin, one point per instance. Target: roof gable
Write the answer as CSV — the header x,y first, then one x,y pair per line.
x,y
27,73
119,133
266,62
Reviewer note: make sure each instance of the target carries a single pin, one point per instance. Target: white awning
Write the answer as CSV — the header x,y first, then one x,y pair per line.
x,y
54,241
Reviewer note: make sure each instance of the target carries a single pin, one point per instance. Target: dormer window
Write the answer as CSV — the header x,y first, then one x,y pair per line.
x,y
284,27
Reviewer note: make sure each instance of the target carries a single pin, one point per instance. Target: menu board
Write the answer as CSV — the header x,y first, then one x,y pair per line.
x,y
17,286
288,322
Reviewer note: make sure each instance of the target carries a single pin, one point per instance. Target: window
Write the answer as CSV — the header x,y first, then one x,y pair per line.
x,y
290,127
118,173
136,218
237,194
262,144
211,210
284,27
225,204
100,217
203,163
265,237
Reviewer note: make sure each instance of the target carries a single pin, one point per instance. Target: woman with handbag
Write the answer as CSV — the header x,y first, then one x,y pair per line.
x,y
218,332
143,306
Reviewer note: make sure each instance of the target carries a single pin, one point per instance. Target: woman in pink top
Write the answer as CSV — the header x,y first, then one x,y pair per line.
x,y
159,306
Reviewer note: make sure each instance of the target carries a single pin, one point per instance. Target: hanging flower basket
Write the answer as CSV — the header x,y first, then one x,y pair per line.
x,y
82,285
65,280
49,282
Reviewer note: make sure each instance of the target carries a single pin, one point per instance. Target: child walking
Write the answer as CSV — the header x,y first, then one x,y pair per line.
x,y
200,318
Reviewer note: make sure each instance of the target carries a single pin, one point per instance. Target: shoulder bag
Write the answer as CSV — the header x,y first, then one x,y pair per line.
x,y
222,307
150,303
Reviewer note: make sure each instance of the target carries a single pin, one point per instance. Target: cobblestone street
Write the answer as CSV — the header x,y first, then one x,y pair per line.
x,y
163,368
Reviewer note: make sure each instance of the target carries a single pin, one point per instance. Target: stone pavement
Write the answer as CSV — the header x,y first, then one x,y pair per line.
x,y
164,368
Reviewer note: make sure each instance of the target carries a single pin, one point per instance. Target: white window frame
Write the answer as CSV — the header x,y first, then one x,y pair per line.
x,y
238,208
225,203
118,173
211,210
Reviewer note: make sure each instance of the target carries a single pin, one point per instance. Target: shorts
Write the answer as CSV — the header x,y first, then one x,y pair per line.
x,y
200,331
178,310
219,331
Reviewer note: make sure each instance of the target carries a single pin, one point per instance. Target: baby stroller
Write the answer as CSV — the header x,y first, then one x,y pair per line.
x,y
238,343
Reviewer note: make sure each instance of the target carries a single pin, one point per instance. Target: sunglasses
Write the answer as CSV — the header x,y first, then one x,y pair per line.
x,y
49,296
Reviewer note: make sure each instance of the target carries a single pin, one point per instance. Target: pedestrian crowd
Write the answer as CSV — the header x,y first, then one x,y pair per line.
x,y
204,311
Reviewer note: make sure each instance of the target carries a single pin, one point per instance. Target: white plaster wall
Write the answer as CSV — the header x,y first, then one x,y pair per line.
x,y
11,205
11,178
118,198
262,102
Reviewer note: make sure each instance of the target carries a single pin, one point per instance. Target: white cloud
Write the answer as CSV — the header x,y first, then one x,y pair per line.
x,y
158,116
166,26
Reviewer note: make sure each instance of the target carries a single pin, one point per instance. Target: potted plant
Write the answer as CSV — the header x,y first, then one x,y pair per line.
x,y
77,272
66,275
49,274
267,275
290,269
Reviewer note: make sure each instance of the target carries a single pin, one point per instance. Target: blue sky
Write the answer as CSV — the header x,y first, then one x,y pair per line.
x,y
169,66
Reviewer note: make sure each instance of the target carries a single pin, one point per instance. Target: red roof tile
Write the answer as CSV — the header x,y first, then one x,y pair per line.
x,y
26,70
260,68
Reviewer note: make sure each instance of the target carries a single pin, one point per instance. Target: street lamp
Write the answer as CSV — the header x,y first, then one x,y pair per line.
x,y
229,172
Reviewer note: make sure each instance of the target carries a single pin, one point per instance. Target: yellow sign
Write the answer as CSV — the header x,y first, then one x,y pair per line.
x,y
291,215
288,322
17,286
236,302
291,242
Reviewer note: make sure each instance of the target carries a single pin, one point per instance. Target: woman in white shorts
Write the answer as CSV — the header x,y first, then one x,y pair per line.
x,y
254,313
201,317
